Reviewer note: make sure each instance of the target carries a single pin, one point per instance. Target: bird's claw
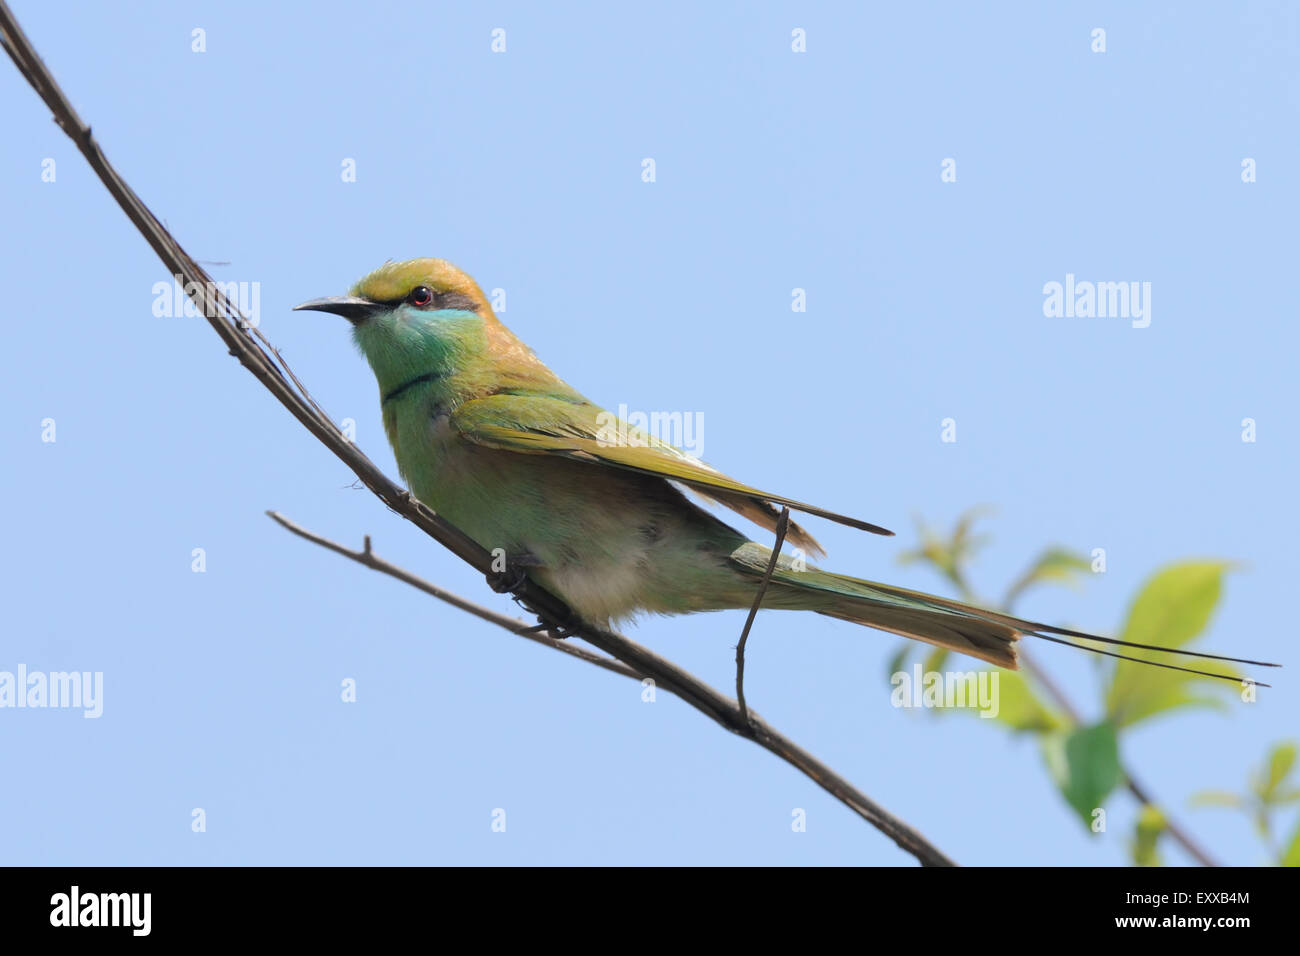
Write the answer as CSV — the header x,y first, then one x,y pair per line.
x,y
514,575
507,581
555,631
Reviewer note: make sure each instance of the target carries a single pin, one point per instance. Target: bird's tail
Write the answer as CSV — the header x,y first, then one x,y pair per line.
x,y
988,635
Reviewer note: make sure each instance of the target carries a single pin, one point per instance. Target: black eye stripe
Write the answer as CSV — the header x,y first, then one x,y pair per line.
x,y
454,300
442,301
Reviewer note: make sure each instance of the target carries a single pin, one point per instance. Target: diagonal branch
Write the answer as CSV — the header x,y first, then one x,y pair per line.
x,y
512,624
248,345
645,663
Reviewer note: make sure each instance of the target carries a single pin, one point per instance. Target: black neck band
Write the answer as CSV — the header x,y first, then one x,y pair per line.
x,y
418,380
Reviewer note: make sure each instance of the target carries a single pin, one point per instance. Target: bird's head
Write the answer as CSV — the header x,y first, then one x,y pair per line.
x,y
418,317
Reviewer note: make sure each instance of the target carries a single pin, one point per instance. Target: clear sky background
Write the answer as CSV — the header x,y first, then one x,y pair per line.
x,y
775,170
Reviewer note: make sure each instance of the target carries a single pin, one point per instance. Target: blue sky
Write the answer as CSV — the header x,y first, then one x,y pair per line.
x,y
774,170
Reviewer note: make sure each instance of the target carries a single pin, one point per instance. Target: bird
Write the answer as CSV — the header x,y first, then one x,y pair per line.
x,y
593,509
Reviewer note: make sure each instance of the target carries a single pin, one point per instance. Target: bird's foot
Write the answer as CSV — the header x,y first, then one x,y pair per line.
x,y
552,629
511,578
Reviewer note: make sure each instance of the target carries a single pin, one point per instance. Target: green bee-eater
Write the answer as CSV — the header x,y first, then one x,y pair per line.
x,y
495,442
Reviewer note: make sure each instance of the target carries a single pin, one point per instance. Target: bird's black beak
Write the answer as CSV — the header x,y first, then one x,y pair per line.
x,y
352,308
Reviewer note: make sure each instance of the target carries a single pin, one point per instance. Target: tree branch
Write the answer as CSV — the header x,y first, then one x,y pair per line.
x,y
249,346
511,624
723,710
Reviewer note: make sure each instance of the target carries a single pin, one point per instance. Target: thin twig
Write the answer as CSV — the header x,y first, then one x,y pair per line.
x,y
243,343
512,624
782,525
288,371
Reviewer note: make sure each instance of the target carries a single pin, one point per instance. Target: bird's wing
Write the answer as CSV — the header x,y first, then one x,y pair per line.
x,y
545,424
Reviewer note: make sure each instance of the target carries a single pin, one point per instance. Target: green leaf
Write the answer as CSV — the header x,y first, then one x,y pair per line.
x,y
1291,856
1172,608
1216,798
948,555
1176,603
1151,824
1262,822
1085,765
1053,565
963,542
1020,708
1280,761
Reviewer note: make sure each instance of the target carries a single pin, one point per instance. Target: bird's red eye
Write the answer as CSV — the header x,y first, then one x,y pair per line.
x,y
421,295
